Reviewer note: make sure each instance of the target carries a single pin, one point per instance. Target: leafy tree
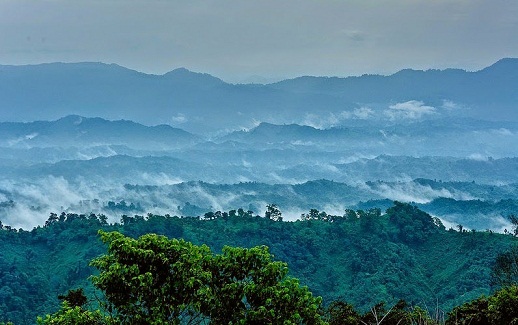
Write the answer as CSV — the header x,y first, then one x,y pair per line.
x,y
503,306
334,258
272,212
500,308
414,225
68,315
248,286
342,313
153,279
74,298
505,270
514,221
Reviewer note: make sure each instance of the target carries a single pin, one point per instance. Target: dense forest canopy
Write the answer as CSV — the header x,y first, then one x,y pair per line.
x,y
362,257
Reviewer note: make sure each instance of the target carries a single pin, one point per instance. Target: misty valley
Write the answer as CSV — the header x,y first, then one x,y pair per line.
x,y
92,165
390,187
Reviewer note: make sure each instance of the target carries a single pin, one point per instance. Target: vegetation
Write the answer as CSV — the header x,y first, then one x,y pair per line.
x,y
156,280
499,308
360,259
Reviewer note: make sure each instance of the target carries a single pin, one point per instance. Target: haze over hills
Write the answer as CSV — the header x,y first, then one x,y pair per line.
x,y
305,162
204,104
84,138
78,131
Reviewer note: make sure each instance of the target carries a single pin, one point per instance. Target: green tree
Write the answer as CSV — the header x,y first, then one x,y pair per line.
x,y
272,212
155,280
69,315
248,286
505,270
503,306
500,308
74,298
514,221
152,278
342,313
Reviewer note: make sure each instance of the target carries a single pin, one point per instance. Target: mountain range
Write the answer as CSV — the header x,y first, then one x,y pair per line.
x,y
74,130
77,133
204,104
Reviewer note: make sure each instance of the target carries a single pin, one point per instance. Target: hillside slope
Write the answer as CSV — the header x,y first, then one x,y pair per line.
x,y
404,254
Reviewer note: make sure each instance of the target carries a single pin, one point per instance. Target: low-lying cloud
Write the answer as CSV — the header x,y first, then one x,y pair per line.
x,y
415,192
412,110
336,119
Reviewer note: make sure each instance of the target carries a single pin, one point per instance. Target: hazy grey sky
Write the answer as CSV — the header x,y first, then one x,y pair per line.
x,y
272,38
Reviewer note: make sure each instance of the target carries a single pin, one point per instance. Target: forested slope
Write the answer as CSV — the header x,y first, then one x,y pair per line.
x,y
362,257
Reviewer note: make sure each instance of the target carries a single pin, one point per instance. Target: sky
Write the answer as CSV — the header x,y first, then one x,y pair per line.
x,y
267,40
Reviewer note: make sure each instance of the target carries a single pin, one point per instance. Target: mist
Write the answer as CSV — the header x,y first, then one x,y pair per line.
x,y
303,143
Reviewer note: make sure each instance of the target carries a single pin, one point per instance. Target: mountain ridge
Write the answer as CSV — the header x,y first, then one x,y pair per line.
x,y
76,130
201,103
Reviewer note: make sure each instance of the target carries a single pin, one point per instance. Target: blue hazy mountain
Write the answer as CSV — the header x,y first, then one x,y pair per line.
x,y
274,133
436,137
491,92
77,131
82,131
201,102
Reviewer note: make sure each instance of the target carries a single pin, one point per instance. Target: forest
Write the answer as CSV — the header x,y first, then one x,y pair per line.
x,y
361,263
258,162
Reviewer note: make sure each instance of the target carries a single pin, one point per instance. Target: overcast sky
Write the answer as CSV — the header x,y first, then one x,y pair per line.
x,y
235,40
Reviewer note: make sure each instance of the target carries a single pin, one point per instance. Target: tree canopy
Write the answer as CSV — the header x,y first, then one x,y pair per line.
x,y
156,280
362,257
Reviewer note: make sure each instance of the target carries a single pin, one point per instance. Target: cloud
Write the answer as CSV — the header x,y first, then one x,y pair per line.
x,y
504,131
415,192
450,105
363,113
479,221
21,140
179,118
478,157
335,119
159,179
412,109
35,200
354,158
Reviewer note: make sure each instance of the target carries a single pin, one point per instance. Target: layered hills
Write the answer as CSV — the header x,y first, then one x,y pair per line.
x,y
203,103
363,257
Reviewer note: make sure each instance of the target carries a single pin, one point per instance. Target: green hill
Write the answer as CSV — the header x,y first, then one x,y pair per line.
x,y
363,257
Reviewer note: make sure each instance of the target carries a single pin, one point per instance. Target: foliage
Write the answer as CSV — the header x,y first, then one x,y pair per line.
x,y
74,298
499,308
414,225
68,315
139,276
248,286
361,255
505,270
273,212
503,306
342,313
154,280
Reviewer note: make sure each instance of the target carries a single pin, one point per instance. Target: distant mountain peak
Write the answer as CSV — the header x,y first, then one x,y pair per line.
x,y
505,65
186,75
292,126
513,61
71,119
204,104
